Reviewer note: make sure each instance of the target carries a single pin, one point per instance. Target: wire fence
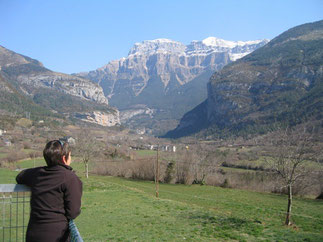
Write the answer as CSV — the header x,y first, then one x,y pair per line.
x,y
15,209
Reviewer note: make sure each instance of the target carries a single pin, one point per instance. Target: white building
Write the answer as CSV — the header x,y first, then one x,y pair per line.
x,y
68,139
7,142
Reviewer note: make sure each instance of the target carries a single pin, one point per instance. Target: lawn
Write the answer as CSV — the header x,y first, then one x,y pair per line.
x,y
116,209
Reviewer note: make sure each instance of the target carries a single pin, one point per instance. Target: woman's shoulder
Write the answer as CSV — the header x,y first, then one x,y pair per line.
x,y
69,173
26,176
32,171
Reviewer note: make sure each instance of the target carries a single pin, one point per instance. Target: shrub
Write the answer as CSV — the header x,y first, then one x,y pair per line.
x,y
34,154
26,145
184,174
14,156
143,170
112,168
24,122
225,184
170,172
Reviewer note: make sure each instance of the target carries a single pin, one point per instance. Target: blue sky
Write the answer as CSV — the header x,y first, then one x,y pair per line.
x,y
78,35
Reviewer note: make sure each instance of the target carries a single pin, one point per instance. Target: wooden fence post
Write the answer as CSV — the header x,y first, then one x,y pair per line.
x,y
157,173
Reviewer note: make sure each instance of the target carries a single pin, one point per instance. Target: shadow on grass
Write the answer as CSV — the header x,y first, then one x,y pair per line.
x,y
227,227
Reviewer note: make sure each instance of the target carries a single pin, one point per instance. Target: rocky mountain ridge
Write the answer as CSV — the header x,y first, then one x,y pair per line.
x,y
30,78
31,73
165,78
164,58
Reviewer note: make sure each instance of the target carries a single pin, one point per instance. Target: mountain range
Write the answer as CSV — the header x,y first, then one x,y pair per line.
x,y
280,83
231,87
162,79
26,86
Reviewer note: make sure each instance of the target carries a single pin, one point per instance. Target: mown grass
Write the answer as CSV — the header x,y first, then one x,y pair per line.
x,y
29,163
116,209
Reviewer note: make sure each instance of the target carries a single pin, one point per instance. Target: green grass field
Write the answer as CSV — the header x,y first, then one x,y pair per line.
x,y
116,209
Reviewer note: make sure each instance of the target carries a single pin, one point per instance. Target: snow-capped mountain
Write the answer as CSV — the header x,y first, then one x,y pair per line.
x,y
163,74
150,47
235,49
210,44
164,57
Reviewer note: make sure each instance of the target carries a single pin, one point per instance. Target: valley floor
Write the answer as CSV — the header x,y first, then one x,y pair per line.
x,y
116,209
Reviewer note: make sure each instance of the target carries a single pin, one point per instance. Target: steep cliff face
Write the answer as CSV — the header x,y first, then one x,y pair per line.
x,y
101,118
165,58
50,89
63,83
280,82
165,76
30,74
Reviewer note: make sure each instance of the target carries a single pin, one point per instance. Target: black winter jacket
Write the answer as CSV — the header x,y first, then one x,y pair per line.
x,y
55,198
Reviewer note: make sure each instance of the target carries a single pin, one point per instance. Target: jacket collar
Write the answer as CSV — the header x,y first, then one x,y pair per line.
x,y
55,167
66,166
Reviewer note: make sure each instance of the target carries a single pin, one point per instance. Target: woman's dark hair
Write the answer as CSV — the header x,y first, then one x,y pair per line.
x,y
54,152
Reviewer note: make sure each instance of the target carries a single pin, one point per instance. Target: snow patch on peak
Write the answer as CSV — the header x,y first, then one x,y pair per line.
x,y
213,41
216,42
149,47
161,40
252,42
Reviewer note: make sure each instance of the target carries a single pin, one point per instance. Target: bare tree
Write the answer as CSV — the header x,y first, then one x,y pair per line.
x,y
206,162
33,155
293,152
196,163
86,148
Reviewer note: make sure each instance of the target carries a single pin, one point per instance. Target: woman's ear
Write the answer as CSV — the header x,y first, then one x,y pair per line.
x,y
64,160
67,159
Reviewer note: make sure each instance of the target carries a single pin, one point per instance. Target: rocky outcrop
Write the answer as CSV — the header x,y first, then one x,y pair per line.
x,y
67,84
101,118
52,90
30,74
281,82
127,114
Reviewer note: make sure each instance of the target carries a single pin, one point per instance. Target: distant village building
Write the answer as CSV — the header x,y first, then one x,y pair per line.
x,y
68,139
141,131
171,148
7,142
2,131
